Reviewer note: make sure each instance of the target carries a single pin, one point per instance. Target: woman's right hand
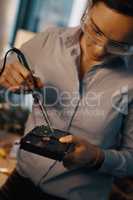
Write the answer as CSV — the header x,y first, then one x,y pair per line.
x,y
16,76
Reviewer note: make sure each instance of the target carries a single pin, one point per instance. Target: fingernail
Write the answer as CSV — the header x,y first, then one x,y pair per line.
x,y
65,139
62,139
15,88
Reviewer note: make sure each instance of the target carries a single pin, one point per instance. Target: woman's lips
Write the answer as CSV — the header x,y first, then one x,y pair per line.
x,y
98,58
102,57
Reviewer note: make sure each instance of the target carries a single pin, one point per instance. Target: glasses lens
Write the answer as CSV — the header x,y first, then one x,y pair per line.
x,y
119,50
96,38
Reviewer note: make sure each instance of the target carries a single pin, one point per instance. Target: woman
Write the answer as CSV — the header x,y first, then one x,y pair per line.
x,y
88,92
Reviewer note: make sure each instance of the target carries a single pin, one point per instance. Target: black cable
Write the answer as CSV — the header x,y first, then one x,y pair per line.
x,y
20,56
46,174
73,115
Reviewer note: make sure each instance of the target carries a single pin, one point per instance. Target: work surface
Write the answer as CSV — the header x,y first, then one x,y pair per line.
x,y
8,163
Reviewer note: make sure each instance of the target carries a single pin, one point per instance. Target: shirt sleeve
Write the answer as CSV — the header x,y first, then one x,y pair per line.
x,y
31,49
120,162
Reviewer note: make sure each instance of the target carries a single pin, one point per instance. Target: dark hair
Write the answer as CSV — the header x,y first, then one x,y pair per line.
x,y
121,6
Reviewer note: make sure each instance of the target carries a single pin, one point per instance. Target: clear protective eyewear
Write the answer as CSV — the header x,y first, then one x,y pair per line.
x,y
93,34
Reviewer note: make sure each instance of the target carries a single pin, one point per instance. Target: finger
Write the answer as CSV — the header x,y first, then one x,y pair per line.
x,y
69,165
69,161
6,85
30,82
2,79
18,67
34,82
17,77
66,139
70,139
16,89
12,82
27,84
11,76
38,82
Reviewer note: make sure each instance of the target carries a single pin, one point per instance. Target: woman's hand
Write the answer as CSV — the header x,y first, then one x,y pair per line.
x,y
16,76
84,154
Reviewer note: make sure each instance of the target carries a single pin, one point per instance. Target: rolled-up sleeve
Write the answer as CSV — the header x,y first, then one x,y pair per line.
x,y
120,162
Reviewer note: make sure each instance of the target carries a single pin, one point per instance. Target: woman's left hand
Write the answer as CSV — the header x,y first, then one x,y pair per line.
x,y
84,153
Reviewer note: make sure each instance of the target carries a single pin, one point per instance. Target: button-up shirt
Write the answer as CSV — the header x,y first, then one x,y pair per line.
x,y
98,108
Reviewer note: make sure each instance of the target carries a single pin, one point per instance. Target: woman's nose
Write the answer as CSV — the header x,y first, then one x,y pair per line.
x,y
100,50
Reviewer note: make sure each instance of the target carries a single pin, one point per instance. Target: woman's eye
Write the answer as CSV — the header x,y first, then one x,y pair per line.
x,y
97,32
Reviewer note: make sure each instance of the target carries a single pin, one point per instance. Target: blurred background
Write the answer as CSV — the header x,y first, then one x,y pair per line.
x,y
35,16
20,20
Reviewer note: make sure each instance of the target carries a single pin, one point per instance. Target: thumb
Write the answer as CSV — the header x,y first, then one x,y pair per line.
x,y
69,139
38,82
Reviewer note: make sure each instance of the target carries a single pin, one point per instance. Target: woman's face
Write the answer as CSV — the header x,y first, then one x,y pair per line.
x,y
103,27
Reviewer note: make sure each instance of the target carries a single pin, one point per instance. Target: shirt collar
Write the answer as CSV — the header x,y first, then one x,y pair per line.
x,y
72,37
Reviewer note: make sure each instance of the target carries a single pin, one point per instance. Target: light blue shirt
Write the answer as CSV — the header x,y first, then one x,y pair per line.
x,y
102,103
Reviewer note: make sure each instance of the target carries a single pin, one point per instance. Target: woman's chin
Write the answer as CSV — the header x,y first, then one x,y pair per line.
x,y
102,58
